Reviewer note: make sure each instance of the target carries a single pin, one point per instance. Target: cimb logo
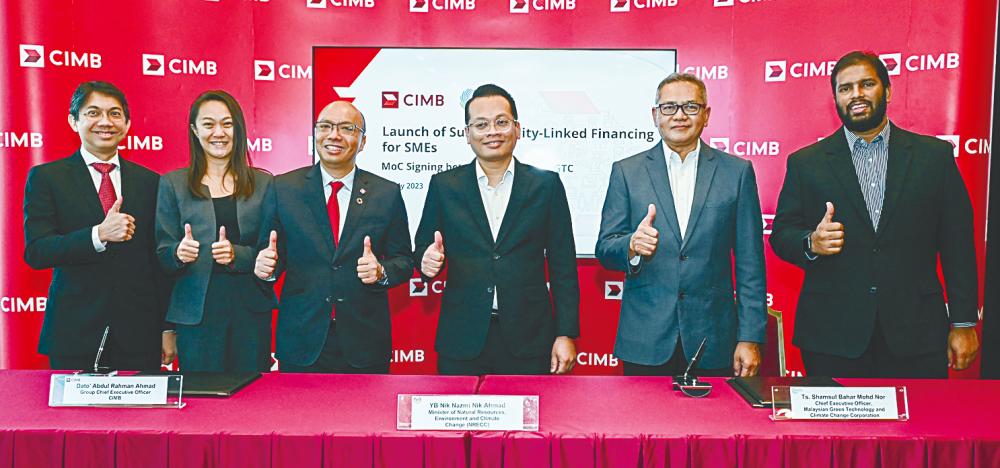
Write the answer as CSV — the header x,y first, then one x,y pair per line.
x,y
523,6
613,290
624,6
268,70
340,3
729,3
896,62
775,70
408,355
594,359
712,72
142,143
33,56
396,99
767,220
746,147
20,140
260,144
159,65
424,6
418,287
23,304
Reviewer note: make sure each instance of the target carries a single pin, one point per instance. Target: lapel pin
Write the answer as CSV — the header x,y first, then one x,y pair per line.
x,y
363,191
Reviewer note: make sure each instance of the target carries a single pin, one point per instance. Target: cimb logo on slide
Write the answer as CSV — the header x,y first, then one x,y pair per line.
x,y
746,147
624,6
33,56
523,6
396,99
340,3
268,70
159,65
896,62
20,139
424,6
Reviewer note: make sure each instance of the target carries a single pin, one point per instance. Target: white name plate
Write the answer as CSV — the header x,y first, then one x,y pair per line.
x,y
845,403
467,412
101,390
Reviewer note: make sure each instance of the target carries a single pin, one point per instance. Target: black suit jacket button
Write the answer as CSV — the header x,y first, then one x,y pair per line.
x,y
873,290
489,289
335,267
684,257
496,256
680,295
329,299
876,250
340,299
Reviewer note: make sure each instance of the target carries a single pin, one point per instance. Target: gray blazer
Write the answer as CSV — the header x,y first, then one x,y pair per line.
x,y
177,206
686,288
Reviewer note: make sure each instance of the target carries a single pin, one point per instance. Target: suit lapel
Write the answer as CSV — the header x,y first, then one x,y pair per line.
x,y
128,189
524,184
707,163
900,157
656,166
355,212
79,174
838,157
314,197
470,186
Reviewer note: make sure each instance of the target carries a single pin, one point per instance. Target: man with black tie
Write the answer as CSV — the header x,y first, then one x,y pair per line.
x,y
682,220
496,223
90,217
340,235
866,212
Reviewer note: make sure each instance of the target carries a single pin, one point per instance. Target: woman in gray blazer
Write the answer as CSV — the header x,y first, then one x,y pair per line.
x,y
207,218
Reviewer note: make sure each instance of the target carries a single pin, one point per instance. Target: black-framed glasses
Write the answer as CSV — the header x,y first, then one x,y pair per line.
x,y
324,127
689,108
482,126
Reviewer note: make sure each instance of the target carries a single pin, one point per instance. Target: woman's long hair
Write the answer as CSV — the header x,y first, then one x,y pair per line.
x,y
240,164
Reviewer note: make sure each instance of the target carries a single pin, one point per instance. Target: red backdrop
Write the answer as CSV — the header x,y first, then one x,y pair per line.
x,y
766,63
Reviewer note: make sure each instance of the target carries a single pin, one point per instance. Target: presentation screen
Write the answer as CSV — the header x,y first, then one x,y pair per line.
x,y
579,110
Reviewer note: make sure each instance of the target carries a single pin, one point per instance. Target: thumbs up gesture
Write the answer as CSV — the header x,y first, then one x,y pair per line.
x,y
645,237
433,259
369,269
117,226
187,249
267,259
828,238
222,250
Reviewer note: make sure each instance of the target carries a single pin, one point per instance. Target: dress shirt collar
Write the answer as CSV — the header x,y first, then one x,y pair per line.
x,y
692,156
481,175
852,138
348,179
89,158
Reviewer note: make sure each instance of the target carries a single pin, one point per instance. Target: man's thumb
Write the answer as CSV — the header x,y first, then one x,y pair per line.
x,y
650,215
187,232
273,245
438,241
116,207
222,233
368,246
828,217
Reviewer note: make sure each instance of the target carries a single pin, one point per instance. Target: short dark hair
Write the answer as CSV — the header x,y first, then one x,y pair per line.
x,y
488,90
856,57
87,88
681,78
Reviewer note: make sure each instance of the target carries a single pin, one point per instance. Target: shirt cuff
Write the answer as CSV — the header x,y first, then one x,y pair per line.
x,y
634,261
963,324
384,281
96,239
806,244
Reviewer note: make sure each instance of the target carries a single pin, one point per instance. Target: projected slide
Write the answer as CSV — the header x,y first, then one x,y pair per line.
x,y
580,110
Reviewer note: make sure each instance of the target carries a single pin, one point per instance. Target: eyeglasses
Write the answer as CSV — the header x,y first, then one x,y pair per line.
x,y
689,108
96,114
482,126
344,128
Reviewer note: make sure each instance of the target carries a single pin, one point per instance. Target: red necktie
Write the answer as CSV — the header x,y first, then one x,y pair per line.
x,y
107,191
333,210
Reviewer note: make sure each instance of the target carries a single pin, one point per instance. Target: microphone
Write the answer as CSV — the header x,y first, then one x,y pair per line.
x,y
687,382
100,350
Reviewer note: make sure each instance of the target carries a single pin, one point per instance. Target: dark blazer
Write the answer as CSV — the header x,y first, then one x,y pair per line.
x,y
318,276
537,229
177,206
121,287
686,288
889,275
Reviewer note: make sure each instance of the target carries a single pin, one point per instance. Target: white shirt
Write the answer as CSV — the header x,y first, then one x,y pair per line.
x,y
343,196
495,200
96,176
682,176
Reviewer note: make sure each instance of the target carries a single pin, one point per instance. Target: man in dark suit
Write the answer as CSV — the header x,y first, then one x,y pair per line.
x,y
498,222
679,219
866,212
340,235
90,217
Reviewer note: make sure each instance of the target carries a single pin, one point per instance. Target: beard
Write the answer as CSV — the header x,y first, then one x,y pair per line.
x,y
863,123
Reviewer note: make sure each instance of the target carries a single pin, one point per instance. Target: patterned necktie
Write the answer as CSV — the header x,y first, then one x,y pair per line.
x,y
107,190
333,210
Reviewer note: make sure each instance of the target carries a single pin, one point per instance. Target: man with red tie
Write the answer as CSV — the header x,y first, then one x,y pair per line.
x,y
90,217
340,235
